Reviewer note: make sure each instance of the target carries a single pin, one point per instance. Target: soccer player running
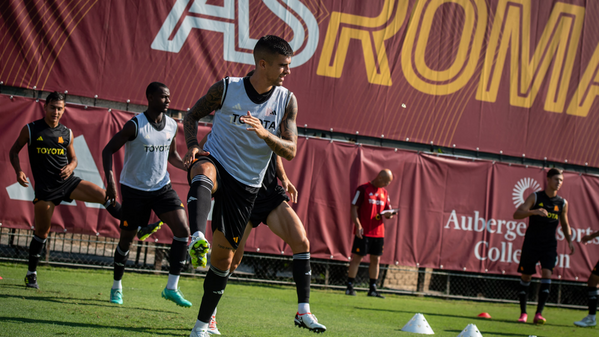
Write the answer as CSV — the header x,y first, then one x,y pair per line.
x,y
150,144
593,292
52,159
271,208
237,154
369,201
546,209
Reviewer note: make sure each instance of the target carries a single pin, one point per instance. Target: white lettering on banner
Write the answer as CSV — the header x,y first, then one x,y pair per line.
x,y
218,19
504,253
513,229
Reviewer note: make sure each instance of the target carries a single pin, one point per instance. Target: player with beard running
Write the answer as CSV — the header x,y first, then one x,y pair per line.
x,y
150,144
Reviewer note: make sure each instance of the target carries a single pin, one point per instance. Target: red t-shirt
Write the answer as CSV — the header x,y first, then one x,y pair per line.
x,y
371,201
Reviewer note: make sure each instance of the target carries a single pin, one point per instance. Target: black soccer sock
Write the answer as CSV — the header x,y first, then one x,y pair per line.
x,y
523,295
301,275
373,284
350,282
35,251
115,210
214,287
199,202
120,259
593,294
543,294
178,255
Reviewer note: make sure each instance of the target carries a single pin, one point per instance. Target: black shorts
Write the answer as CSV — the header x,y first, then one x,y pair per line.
x,y
547,255
233,203
368,245
596,269
274,196
138,205
59,194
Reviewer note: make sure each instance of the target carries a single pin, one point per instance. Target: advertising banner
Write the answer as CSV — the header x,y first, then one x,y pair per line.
x,y
454,214
518,77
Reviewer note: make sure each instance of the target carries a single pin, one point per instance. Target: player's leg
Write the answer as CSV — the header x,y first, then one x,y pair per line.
x,y
177,221
284,222
89,192
240,249
548,257
121,255
593,293
43,211
374,247
526,268
203,183
221,259
358,249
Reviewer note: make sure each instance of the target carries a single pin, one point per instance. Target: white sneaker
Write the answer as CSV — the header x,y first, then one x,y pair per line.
x,y
587,321
212,329
199,333
198,248
310,322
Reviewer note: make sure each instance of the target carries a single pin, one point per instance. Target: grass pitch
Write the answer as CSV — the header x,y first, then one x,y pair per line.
x,y
74,302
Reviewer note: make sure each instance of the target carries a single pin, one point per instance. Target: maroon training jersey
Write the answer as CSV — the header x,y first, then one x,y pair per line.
x,y
371,201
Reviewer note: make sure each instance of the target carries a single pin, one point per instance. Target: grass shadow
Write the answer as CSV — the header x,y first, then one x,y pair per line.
x,y
93,326
82,301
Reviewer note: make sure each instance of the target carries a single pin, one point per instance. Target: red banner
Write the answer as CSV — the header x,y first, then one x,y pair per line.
x,y
454,214
516,76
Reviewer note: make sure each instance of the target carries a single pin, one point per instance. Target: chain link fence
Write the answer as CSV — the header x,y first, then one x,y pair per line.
x,y
78,250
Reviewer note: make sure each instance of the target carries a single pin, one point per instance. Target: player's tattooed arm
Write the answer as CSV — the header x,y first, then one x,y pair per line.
x,y
203,107
286,146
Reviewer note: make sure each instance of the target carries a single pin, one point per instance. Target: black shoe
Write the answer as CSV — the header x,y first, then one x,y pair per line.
x,y
144,232
350,291
374,293
31,281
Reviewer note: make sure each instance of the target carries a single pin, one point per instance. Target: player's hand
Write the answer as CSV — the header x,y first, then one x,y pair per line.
x,y
585,239
66,172
388,215
255,125
111,193
192,154
542,212
360,232
22,179
571,247
289,188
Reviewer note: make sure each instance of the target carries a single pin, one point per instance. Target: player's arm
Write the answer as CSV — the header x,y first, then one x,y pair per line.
x,y
13,154
66,171
203,107
388,207
356,220
287,185
173,156
524,210
286,145
563,220
127,133
589,237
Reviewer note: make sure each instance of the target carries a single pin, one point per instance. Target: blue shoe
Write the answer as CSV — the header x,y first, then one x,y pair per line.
x,y
116,296
144,232
176,296
198,248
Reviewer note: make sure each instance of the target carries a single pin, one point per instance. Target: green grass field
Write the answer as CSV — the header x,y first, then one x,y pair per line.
x,y
74,302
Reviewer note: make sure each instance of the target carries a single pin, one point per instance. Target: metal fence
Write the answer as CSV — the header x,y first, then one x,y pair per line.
x,y
78,250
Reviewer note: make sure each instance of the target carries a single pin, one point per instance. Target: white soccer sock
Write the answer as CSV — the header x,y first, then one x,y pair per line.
x,y
117,284
173,282
31,272
199,234
200,325
214,313
303,308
